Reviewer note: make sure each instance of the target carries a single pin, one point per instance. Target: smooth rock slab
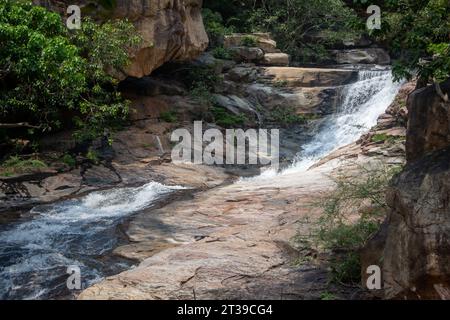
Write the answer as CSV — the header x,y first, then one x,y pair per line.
x,y
232,242
311,77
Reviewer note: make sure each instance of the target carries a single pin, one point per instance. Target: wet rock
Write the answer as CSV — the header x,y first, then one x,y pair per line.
x,y
229,242
318,101
100,176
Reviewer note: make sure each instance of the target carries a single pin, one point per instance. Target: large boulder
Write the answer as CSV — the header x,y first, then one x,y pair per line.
x,y
415,239
262,41
309,101
275,59
172,30
247,54
429,122
416,254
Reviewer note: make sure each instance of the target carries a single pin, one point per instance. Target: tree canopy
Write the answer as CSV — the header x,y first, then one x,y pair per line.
x,y
51,76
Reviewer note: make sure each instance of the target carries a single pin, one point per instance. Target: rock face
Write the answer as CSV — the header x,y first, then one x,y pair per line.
x,y
262,49
172,30
263,41
311,77
416,259
429,122
232,242
416,256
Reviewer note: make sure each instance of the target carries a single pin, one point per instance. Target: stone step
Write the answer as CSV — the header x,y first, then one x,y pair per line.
x,y
310,77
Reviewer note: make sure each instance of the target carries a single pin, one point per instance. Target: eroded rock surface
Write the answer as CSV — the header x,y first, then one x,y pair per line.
x,y
231,242
415,241
172,30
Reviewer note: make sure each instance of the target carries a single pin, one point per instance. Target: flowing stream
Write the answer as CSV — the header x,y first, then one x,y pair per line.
x,y
36,251
361,104
35,254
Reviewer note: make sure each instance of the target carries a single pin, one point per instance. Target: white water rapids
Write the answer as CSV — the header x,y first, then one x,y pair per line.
x,y
361,104
35,252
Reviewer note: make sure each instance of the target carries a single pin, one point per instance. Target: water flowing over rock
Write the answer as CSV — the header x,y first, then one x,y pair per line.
x,y
235,241
172,30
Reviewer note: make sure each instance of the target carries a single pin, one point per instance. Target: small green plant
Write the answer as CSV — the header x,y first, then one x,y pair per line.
x,y
280,83
352,215
202,83
92,156
18,165
69,160
202,95
380,137
327,296
383,137
286,116
169,116
249,41
214,26
222,53
225,119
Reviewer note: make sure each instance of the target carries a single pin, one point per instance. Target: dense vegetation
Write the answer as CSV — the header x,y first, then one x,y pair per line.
x,y
304,29
51,77
416,32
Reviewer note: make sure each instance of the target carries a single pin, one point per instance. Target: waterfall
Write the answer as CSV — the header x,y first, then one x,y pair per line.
x,y
361,104
35,254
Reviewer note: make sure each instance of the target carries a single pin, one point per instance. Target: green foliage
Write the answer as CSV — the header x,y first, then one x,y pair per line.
x,y
417,33
292,23
202,82
214,26
352,215
286,116
225,119
92,156
383,137
327,296
222,53
69,160
17,165
168,116
295,23
49,75
249,41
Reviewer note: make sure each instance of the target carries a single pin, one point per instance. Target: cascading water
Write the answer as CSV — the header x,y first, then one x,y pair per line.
x,y
35,254
362,103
